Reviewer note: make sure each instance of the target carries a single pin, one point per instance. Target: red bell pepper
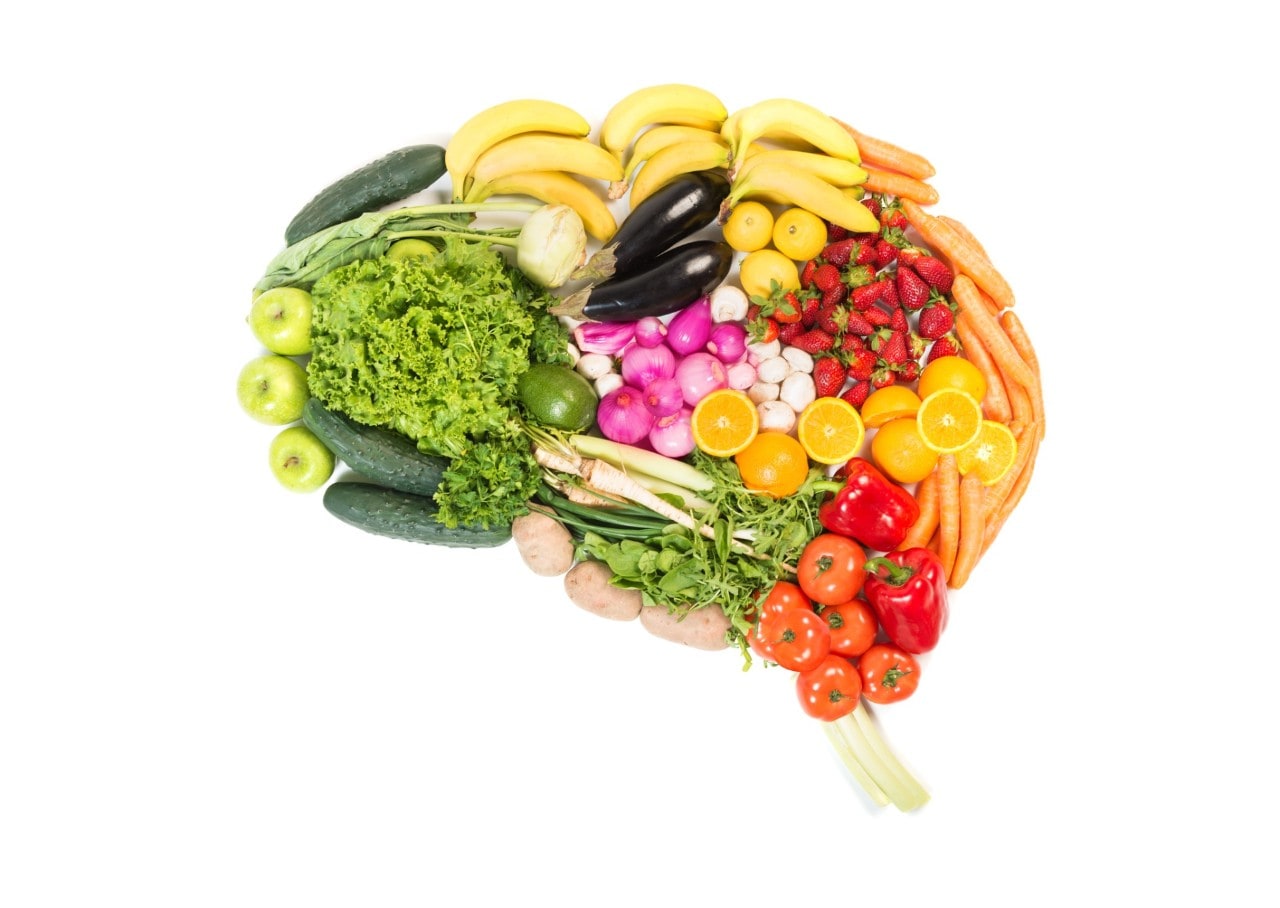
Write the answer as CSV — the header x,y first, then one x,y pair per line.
x,y
869,507
908,590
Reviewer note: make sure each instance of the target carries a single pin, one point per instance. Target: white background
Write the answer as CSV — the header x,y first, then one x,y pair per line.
x,y
213,694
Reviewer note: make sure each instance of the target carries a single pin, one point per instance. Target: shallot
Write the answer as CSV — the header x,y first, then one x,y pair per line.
x,y
623,417
689,328
672,435
642,365
728,341
699,374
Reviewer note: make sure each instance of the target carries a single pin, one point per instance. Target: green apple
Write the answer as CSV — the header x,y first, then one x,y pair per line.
x,y
273,389
281,320
411,248
300,459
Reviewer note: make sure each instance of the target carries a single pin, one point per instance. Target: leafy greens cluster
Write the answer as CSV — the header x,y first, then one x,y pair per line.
x,y
433,348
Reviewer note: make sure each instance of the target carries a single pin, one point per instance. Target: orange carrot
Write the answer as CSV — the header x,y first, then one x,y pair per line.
x,y
966,234
887,156
948,511
1022,343
995,405
968,301
972,530
945,240
900,185
997,493
927,498
1019,487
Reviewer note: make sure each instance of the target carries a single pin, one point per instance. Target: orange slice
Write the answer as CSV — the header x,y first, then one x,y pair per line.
x,y
949,420
773,463
724,422
887,403
830,430
991,454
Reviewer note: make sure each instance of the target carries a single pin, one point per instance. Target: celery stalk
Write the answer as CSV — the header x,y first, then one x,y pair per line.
x,y
850,761
637,460
904,791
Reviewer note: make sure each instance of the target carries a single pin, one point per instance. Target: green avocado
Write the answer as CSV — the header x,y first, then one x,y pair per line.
x,y
558,397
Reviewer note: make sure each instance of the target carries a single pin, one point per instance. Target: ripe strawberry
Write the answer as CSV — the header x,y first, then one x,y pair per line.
x,y
788,333
913,292
898,319
858,393
865,254
889,291
761,329
878,317
840,252
806,273
916,344
883,378
856,324
934,271
828,376
908,371
787,309
809,307
813,341
936,320
886,253
860,364
851,343
865,297
833,319
947,345
891,346
892,216
859,275
826,276
873,204
836,232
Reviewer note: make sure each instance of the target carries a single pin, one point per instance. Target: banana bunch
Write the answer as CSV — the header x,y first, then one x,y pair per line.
x,y
763,164
533,148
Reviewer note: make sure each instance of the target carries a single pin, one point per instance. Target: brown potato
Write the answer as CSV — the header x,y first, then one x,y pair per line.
x,y
588,586
543,543
702,628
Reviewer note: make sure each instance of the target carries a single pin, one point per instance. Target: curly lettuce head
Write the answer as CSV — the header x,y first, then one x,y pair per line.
x,y
431,347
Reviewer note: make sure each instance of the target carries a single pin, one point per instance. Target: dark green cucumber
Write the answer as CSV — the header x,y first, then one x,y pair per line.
x,y
379,455
379,183
401,515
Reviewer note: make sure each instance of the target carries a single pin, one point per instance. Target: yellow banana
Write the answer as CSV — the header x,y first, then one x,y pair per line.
x,y
655,140
672,161
556,187
789,186
785,118
672,103
502,121
545,151
836,171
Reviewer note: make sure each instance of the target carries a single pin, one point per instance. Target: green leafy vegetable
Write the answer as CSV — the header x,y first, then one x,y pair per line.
x,y
433,348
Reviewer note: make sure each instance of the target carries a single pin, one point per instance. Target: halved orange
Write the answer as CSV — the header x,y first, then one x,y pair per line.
x,y
949,420
830,430
724,422
889,402
773,463
991,454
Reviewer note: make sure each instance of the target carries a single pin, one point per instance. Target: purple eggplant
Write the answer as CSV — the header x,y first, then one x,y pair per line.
x,y
671,281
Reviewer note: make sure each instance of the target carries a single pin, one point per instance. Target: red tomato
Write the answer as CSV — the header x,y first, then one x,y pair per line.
x,y
830,690
830,569
853,627
796,639
784,595
888,673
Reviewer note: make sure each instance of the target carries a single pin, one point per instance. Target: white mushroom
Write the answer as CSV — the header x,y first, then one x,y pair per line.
x,y
728,304
759,352
798,391
776,416
610,381
799,359
594,365
763,391
773,369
